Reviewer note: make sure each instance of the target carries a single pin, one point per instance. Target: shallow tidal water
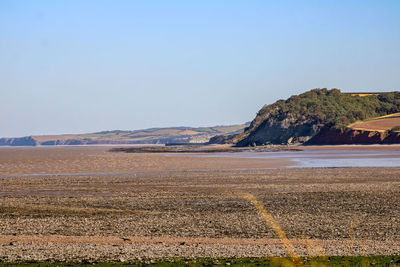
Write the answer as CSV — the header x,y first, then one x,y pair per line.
x,y
320,158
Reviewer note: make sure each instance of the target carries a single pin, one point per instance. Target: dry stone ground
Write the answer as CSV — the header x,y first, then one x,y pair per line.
x,y
173,207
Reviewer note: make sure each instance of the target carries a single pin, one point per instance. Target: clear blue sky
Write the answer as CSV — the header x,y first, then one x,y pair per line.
x,y
84,66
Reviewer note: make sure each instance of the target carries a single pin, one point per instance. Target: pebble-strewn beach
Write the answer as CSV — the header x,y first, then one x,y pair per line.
x,y
120,206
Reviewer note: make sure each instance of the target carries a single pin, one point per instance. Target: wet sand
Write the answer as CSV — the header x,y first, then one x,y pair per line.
x,y
157,206
53,160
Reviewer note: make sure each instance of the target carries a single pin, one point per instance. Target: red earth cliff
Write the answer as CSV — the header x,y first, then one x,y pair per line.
x,y
330,136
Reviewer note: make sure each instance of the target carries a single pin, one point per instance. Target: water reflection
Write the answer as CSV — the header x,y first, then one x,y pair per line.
x,y
315,158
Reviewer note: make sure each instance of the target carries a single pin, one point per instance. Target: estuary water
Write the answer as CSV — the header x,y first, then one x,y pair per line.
x,y
316,158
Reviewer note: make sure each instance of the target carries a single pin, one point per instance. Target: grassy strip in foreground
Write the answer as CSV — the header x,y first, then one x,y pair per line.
x,y
361,261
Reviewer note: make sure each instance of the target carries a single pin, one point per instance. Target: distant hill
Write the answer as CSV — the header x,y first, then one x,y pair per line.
x,y
319,116
147,136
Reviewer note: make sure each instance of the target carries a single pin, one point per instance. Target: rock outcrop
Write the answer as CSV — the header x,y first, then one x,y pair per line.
x,y
222,139
291,129
20,141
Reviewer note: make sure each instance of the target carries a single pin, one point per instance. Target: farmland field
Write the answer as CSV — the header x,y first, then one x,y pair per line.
x,y
88,204
384,123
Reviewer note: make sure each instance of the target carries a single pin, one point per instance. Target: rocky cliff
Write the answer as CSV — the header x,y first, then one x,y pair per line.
x,y
319,116
291,129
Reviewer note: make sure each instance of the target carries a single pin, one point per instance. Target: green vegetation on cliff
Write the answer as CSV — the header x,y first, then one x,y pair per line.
x,y
335,108
301,117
